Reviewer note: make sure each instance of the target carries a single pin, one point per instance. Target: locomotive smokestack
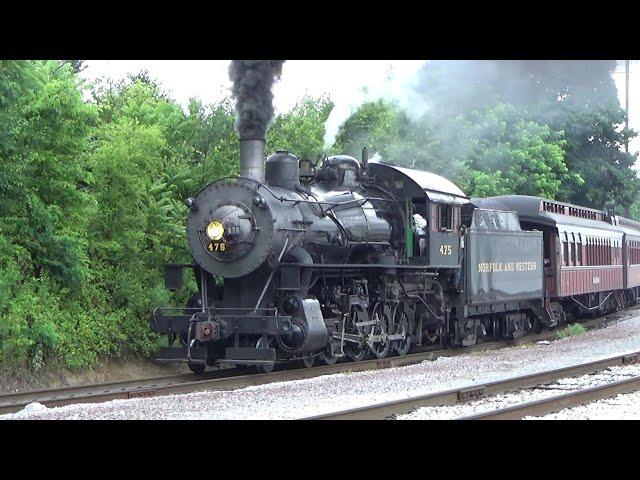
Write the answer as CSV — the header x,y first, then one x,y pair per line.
x,y
252,159
252,82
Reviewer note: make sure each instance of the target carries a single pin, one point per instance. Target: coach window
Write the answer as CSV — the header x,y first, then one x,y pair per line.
x,y
579,248
565,249
614,252
585,239
610,251
619,252
573,248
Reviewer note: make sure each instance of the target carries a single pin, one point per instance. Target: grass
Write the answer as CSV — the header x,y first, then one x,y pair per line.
x,y
571,331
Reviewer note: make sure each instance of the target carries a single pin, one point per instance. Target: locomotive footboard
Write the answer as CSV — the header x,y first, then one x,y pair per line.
x,y
201,331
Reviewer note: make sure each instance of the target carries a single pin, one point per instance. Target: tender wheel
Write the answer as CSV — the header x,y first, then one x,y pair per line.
x,y
401,326
265,367
197,368
381,347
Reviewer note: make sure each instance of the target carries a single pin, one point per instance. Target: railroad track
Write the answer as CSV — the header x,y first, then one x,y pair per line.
x,y
560,402
229,379
539,407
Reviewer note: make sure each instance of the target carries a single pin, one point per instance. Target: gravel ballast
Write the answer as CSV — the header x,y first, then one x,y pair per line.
x,y
621,407
496,402
302,398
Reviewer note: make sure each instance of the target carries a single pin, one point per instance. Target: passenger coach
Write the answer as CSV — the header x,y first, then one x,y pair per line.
x,y
590,257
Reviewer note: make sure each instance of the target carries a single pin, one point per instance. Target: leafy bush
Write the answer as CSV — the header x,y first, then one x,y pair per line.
x,y
571,330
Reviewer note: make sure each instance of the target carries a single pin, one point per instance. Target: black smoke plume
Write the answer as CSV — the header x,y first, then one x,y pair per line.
x,y
252,82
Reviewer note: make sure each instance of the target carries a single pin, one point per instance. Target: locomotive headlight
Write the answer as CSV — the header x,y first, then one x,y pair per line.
x,y
215,230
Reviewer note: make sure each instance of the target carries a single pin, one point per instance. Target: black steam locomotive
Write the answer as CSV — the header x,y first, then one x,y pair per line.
x,y
368,258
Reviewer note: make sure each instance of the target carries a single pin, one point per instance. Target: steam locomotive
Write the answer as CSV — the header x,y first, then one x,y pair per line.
x,y
358,258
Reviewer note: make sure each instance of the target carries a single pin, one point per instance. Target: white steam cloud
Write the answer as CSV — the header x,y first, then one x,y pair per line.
x,y
394,83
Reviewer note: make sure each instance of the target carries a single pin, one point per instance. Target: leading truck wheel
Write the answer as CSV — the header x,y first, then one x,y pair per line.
x,y
329,356
308,362
197,368
264,367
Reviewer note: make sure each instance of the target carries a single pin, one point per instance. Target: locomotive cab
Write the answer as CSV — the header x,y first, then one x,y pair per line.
x,y
432,211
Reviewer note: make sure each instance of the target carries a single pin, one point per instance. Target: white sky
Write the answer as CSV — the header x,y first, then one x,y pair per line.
x,y
342,80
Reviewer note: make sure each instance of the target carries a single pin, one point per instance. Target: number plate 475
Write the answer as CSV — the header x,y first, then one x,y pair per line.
x,y
445,249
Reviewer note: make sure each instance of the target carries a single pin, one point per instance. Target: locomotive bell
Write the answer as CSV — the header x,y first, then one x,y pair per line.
x,y
340,170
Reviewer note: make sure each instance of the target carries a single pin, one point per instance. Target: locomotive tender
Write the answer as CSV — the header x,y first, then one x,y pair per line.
x,y
359,258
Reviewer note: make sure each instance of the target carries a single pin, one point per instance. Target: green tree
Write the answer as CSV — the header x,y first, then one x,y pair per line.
x,y
516,155
44,127
301,129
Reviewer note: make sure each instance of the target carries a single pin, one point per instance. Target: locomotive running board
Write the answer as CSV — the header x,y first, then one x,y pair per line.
x,y
248,355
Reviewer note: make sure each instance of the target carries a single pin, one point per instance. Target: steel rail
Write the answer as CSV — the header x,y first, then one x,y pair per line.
x,y
559,402
474,392
229,379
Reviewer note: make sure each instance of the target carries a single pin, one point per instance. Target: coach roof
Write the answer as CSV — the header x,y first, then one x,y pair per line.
x,y
529,210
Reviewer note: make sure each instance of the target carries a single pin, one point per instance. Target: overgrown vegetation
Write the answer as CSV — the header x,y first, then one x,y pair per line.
x,y
91,192
571,331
